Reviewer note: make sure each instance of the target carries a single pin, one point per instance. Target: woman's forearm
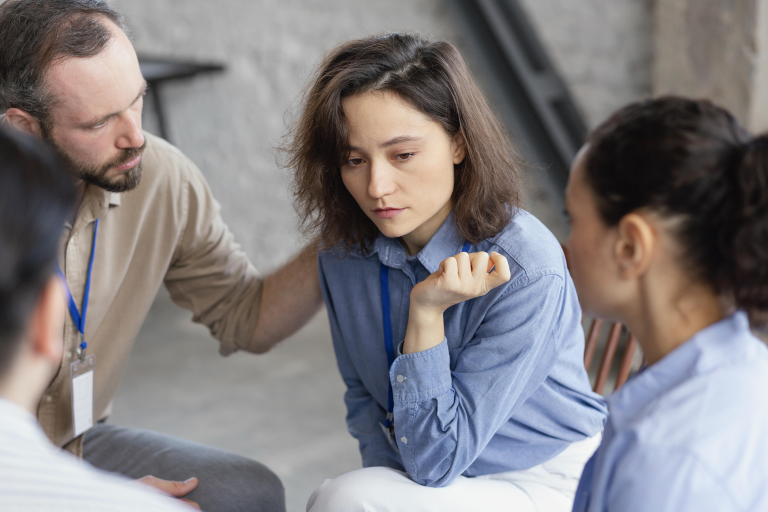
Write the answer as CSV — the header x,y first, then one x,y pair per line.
x,y
425,329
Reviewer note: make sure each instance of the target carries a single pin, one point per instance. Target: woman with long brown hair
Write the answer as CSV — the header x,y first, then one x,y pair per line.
x,y
454,320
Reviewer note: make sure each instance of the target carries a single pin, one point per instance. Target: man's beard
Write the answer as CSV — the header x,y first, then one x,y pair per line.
x,y
97,176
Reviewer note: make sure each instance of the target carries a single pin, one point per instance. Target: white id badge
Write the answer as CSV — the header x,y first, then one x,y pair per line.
x,y
390,435
82,394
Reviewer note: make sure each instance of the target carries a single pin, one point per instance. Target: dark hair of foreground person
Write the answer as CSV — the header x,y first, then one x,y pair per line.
x,y
36,195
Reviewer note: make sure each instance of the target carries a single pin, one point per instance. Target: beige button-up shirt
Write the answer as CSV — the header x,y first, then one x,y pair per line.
x,y
166,231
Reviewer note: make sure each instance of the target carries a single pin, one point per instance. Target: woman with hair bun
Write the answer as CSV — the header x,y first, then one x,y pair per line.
x,y
455,323
668,205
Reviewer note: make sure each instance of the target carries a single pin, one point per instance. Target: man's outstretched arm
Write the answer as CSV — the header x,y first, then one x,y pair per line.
x,y
290,298
211,276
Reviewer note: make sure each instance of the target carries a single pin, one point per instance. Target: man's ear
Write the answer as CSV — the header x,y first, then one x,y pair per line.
x,y
459,148
635,246
22,121
46,322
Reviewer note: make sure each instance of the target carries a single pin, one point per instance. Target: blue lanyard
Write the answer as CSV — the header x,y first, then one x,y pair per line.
x,y
78,319
384,275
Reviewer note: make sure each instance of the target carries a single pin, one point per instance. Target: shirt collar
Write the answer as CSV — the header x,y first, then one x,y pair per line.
x,y
96,202
444,243
716,345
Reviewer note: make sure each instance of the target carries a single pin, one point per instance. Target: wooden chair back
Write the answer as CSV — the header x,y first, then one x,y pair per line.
x,y
611,348
606,361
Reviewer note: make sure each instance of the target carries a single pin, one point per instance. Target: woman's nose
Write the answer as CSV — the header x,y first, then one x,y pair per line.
x,y
381,183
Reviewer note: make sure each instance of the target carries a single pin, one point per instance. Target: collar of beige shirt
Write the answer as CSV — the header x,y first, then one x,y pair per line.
x,y
96,202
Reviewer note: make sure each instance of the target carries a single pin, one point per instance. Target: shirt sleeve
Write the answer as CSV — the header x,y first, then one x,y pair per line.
x,y
444,418
649,479
364,413
210,274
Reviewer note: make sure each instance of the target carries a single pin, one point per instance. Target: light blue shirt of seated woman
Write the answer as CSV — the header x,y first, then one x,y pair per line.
x,y
689,433
505,391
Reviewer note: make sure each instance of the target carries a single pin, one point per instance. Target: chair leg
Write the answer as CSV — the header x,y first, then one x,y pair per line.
x,y
605,363
626,361
589,348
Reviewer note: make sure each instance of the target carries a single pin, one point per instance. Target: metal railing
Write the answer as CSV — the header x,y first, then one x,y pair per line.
x,y
533,99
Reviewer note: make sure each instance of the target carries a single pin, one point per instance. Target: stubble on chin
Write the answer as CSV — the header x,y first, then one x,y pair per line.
x,y
97,176
124,182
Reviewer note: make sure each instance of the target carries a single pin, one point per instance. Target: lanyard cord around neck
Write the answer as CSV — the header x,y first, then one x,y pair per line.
x,y
388,345
76,317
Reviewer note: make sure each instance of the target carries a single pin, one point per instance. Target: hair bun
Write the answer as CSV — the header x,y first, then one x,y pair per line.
x,y
749,243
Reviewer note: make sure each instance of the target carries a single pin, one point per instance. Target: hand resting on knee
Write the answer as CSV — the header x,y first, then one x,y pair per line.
x,y
171,488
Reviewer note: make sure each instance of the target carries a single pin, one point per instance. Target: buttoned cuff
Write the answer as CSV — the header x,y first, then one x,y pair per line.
x,y
421,375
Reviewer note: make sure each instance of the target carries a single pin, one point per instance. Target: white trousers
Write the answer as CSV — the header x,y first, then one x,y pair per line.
x,y
548,487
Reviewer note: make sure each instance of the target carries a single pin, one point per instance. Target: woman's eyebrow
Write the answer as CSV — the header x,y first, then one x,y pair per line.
x,y
401,139
392,142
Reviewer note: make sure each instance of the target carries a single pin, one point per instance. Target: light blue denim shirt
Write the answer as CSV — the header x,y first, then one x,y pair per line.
x,y
506,390
689,433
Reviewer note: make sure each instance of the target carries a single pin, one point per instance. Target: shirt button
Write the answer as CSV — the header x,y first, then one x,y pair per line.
x,y
400,378
48,398
404,440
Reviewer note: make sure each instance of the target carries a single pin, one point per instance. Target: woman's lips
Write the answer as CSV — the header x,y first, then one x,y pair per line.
x,y
387,213
129,164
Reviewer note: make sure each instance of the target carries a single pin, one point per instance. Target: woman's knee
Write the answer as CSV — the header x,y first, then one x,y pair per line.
x,y
362,490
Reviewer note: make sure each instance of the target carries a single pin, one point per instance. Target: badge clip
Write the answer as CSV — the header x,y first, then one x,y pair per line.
x,y
81,348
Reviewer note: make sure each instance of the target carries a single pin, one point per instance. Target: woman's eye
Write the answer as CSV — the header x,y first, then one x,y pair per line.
x,y
354,161
404,156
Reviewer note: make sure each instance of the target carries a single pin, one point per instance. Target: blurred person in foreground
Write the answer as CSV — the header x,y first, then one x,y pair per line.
x,y
668,205
36,195
145,217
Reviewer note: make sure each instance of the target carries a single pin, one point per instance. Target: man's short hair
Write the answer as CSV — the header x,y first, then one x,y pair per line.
x,y
36,196
36,33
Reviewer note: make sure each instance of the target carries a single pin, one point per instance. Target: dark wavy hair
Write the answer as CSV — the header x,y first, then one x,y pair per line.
x,y
433,78
692,160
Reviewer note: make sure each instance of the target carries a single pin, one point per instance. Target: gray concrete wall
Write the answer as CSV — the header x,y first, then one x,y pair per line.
x,y
758,117
602,48
714,49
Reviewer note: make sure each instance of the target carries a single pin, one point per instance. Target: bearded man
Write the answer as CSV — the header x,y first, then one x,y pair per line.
x,y
145,217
